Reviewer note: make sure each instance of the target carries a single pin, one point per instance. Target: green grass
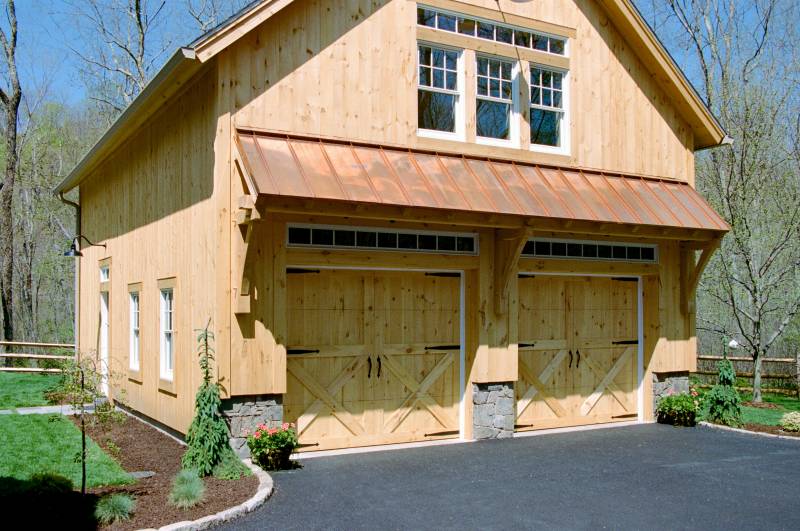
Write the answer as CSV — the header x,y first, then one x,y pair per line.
x,y
769,417
24,390
34,443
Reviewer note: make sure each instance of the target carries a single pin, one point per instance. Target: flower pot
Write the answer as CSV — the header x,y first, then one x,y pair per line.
x,y
276,459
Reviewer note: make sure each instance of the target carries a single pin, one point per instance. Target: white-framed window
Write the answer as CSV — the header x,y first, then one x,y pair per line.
x,y
134,339
105,273
167,334
496,114
549,109
440,86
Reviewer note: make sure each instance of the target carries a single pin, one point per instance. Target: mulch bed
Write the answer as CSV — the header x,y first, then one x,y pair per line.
x,y
762,405
143,448
774,430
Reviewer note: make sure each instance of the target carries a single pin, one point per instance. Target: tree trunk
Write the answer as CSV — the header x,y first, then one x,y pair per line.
x,y
797,377
757,378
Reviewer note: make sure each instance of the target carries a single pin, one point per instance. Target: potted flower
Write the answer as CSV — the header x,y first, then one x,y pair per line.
x,y
270,448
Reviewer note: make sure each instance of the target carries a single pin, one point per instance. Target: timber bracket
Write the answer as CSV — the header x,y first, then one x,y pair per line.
x,y
692,268
507,251
245,217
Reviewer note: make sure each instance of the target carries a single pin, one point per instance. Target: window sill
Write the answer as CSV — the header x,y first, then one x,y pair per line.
x,y
550,150
167,386
135,375
496,142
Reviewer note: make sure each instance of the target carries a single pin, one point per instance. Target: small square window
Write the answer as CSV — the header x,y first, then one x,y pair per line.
x,y
465,244
387,240
648,253
522,38
345,238
543,248
505,35
427,242
366,239
574,250
604,251
467,26
322,237
447,22
589,251
530,248
447,243
407,241
299,236
557,46
620,253
558,249
539,43
426,17
486,30
634,253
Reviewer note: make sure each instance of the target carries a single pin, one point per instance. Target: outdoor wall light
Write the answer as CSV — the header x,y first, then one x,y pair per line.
x,y
73,249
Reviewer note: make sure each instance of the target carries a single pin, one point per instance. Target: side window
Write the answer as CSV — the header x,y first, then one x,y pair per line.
x,y
167,334
495,98
438,90
134,331
547,108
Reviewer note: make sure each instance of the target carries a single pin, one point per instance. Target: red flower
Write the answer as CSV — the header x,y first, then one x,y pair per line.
x,y
257,435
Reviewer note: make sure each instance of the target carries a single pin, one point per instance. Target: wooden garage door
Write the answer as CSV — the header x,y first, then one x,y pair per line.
x,y
578,351
373,357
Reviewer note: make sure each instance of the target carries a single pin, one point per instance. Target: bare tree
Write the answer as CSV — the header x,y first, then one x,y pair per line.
x,y
124,49
10,97
209,13
747,60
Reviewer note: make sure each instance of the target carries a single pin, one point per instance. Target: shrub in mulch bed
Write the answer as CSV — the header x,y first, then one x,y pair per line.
x,y
143,448
774,430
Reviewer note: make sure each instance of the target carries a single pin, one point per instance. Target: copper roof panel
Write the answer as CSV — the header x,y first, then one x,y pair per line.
x,y
495,191
352,176
282,165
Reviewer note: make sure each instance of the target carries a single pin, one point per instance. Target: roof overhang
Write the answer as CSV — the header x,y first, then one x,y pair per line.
x,y
643,41
343,178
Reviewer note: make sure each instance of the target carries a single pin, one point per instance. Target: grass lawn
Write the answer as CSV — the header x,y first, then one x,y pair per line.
x,y
769,417
23,390
35,443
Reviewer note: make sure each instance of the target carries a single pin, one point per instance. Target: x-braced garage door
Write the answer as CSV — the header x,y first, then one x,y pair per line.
x,y
578,351
373,357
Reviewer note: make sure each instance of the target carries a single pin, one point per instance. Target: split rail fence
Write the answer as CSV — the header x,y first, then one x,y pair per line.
x,y
778,375
36,353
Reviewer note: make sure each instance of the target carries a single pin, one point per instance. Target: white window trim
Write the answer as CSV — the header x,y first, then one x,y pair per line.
x,y
515,115
460,133
105,273
135,302
166,373
566,125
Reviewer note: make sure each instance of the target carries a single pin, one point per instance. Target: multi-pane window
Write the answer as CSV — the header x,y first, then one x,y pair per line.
x,y
547,107
105,273
381,239
167,334
591,250
438,90
483,29
494,98
134,340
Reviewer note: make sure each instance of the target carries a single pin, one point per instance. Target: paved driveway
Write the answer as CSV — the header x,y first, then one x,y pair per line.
x,y
637,477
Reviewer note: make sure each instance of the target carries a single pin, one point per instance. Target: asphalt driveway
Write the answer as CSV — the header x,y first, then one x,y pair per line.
x,y
636,477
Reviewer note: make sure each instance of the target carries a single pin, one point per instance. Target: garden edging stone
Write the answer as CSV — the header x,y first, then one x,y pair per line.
x,y
264,491
739,430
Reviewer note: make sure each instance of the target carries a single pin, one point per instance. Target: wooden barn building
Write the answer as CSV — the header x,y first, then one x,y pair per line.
x,y
406,221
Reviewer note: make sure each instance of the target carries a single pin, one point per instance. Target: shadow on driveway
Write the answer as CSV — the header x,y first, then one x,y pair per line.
x,y
638,477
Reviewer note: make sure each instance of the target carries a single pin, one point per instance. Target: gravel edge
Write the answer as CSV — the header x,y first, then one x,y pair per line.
x,y
264,491
739,430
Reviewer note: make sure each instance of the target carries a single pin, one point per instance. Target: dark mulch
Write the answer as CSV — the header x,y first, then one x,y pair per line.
x,y
762,405
143,448
775,430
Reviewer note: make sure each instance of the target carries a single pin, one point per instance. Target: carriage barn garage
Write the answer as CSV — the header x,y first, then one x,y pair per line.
x,y
369,273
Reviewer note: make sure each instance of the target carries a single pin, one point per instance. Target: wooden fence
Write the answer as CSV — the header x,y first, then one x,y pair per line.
x,y
778,375
39,352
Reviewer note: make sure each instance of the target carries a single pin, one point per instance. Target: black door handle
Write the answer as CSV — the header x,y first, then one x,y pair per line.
x,y
570,360
369,367
578,363
379,366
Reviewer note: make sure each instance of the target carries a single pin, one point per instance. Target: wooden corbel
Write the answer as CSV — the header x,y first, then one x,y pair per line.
x,y
692,269
245,217
507,250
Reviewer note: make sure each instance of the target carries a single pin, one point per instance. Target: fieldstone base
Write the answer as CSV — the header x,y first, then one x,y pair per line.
x,y
493,410
669,383
244,413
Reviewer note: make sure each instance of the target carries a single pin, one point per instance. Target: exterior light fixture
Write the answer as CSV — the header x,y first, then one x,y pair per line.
x,y
733,344
73,250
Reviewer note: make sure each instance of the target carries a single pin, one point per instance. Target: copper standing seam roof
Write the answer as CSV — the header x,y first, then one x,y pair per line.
x,y
281,165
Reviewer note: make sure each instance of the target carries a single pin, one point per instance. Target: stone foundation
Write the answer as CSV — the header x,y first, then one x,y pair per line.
x,y
244,413
668,383
493,410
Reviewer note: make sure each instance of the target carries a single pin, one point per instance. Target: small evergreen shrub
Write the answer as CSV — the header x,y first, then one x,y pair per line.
x,y
270,448
723,404
187,489
678,410
230,468
114,508
790,421
207,437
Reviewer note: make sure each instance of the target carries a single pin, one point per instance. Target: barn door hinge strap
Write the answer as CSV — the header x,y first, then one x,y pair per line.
x,y
526,345
307,445
302,351
525,275
444,347
626,342
523,426
443,274
625,279
440,433
625,416
300,271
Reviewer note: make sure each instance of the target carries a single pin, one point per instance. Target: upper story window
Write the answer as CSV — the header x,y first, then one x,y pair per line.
x,y
547,108
438,94
495,98
493,31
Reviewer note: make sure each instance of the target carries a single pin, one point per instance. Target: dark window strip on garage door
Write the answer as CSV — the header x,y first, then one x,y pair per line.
x,y
591,250
368,238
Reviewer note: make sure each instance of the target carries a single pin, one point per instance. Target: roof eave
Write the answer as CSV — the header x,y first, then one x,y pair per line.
x,y
168,81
